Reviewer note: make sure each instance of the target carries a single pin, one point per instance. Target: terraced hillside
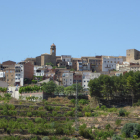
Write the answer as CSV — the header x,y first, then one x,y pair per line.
x,y
54,119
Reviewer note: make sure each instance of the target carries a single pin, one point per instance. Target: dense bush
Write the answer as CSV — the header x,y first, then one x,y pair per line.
x,y
3,89
122,112
116,137
131,129
30,88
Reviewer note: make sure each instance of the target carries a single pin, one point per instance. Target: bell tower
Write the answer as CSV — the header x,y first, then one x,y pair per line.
x,y
53,50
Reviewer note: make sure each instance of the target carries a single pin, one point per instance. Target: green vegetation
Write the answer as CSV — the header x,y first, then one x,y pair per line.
x,y
106,87
51,64
30,88
3,89
131,129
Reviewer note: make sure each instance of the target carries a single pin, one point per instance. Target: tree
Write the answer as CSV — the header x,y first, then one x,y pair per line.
x,y
59,89
79,87
68,90
49,87
131,84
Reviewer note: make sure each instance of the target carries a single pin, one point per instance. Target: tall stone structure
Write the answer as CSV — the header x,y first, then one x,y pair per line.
x,y
132,55
47,58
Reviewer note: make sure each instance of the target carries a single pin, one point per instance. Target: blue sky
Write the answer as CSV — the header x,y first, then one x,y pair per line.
x,y
76,27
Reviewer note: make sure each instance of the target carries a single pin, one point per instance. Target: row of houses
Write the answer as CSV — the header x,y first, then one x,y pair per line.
x,y
67,70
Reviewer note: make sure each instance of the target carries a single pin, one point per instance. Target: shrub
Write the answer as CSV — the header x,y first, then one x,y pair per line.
x,y
29,114
40,108
97,108
46,138
73,139
49,108
112,109
87,108
83,101
94,114
38,120
72,101
80,114
118,122
135,137
54,113
116,137
103,107
107,127
122,112
88,114
131,129
59,130
127,113
70,113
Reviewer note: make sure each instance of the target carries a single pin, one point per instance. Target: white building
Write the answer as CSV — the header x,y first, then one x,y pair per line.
x,y
87,76
19,74
2,74
41,70
66,58
109,63
123,67
67,79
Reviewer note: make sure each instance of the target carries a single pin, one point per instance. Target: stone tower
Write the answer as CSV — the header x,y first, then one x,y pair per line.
x,y
53,50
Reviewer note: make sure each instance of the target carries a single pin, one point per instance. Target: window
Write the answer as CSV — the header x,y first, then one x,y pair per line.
x,y
87,81
80,80
84,81
64,79
104,61
7,71
7,75
75,63
70,79
84,85
7,79
79,76
11,75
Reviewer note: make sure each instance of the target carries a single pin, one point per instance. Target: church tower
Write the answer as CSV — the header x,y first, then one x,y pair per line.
x,y
53,50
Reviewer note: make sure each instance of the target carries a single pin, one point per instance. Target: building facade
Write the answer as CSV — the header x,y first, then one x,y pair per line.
x,y
67,79
109,63
47,58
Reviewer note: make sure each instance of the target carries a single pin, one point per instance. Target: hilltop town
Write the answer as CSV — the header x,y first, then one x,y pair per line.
x,y
66,70
53,97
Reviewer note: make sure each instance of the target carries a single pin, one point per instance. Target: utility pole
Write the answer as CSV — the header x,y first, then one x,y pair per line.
x,y
76,111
